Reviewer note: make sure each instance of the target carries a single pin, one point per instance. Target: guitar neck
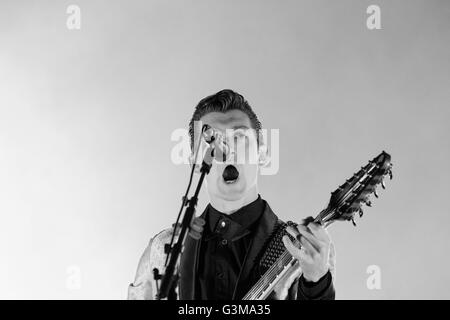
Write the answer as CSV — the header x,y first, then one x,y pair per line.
x,y
344,202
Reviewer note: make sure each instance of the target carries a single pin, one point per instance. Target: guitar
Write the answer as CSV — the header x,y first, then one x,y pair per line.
x,y
345,202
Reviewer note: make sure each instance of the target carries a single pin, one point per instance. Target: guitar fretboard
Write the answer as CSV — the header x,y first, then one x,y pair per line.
x,y
344,202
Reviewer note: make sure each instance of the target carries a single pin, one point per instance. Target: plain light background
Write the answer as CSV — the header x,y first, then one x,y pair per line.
x,y
86,118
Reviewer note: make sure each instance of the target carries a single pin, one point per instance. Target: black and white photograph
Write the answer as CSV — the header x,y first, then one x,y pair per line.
x,y
224,151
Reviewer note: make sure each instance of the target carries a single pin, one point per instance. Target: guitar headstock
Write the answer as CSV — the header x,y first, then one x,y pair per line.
x,y
348,199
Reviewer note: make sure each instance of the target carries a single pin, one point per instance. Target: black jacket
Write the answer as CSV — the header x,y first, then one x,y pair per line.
x,y
299,290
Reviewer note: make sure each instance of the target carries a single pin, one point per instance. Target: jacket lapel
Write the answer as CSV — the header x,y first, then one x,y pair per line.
x,y
265,227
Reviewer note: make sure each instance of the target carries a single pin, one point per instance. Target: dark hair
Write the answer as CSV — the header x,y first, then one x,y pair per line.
x,y
223,101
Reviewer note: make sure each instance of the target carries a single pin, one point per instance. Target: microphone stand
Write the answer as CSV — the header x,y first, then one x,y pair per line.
x,y
170,279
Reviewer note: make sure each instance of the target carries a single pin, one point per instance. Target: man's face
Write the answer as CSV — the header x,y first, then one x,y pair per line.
x,y
233,179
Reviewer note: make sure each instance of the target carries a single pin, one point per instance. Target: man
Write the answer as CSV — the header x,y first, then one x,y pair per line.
x,y
220,257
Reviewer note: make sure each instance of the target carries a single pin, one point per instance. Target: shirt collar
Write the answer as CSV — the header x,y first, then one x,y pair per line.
x,y
236,225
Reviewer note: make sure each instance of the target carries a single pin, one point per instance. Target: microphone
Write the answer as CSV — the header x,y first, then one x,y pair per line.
x,y
221,149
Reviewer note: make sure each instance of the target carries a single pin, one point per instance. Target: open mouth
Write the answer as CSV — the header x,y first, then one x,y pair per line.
x,y
230,174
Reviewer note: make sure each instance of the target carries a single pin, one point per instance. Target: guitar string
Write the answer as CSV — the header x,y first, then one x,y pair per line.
x,y
283,261
268,277
261,284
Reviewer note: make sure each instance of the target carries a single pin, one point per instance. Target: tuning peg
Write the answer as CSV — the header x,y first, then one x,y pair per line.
x,y
383,185
353,221
375,193
389,171
361,212
368,203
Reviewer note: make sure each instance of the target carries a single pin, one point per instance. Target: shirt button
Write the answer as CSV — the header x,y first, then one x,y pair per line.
x,y
223,224
224,242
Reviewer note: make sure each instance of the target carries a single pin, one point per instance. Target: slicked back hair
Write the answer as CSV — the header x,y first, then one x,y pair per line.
x,y
223,101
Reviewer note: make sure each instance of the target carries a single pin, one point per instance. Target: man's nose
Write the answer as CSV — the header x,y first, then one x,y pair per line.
x,y
237,154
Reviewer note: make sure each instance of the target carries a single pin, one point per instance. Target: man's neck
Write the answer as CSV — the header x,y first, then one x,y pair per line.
x,y
231,206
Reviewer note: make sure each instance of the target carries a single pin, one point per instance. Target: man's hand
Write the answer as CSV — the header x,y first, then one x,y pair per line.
x,y
313,255
196,228
314,258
